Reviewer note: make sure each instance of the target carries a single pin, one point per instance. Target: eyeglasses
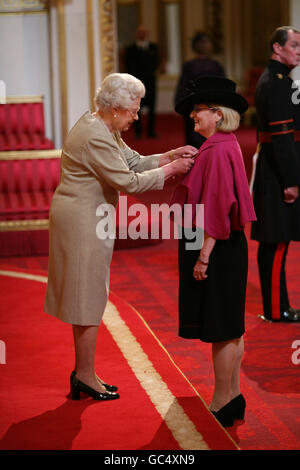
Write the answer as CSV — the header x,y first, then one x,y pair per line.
x,y
134,112
198,108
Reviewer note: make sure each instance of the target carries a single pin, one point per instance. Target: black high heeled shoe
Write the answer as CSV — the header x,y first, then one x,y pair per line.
x,y
239,405
77,387
235,409
109,388
225,415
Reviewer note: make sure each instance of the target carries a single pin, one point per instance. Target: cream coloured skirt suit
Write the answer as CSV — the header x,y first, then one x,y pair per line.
x,y
95,166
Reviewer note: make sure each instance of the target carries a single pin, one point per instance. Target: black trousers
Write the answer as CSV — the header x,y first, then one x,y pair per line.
x,y
138,125
271,259
150,102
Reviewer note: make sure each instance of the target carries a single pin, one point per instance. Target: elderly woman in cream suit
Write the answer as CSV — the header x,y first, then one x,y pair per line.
x,y
95,165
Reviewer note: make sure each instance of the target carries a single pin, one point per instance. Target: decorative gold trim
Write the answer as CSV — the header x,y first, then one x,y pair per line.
x,y
107,35
23,225
24,99
62,67
30,154
91,50
286,11
141,8
166,76
25,12
127,2
28,276
22,6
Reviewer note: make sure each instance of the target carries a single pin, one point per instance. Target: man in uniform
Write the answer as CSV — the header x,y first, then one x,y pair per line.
x,y
277,177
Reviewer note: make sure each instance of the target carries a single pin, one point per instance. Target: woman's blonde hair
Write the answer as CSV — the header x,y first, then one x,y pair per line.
x,y
230,119
119,90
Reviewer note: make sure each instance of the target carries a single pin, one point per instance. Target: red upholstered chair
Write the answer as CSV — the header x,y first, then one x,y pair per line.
x,y
22,124
27,186
27,182
29,174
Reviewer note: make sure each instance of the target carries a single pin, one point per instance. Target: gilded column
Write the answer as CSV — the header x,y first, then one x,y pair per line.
x,y
62,66
91,49
108,36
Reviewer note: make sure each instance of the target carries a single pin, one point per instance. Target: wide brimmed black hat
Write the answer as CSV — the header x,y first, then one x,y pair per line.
x,y
211,89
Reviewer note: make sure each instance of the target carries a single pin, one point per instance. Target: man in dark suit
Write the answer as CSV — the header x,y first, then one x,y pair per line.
x,y
201,64
142,61
277,177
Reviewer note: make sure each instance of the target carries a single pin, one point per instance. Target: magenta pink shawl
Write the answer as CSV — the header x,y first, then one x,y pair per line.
x,y
218,180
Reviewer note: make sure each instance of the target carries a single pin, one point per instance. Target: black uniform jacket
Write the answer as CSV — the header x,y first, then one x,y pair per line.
x,y
278,164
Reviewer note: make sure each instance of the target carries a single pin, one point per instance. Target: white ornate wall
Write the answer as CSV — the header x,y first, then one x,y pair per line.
x,y
61,53
83,52
24,57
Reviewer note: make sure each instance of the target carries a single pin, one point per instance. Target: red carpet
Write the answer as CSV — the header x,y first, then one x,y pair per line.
x,y
158,408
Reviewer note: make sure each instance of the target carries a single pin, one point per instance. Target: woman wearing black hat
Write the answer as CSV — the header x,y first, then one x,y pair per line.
x,y
212,280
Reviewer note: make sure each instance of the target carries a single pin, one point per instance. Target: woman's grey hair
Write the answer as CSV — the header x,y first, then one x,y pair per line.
x,y
119,90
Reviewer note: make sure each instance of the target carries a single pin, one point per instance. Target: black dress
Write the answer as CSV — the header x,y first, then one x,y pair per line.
x,y
213,310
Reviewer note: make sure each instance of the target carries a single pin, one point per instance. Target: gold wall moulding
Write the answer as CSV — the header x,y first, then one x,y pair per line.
x,y
23,225
30,154
108,36
23,99
23,6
